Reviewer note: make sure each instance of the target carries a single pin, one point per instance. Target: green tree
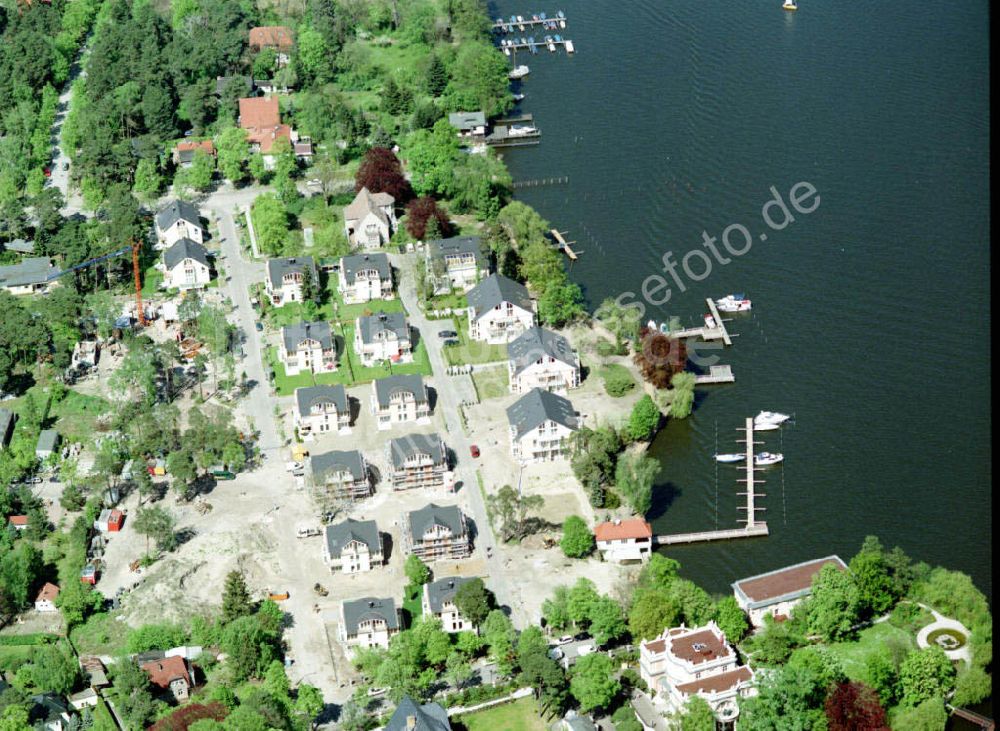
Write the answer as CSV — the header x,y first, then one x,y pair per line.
x,y
561,303
236,601
634,476
607,621
882,674
77,601
437,75
510,509
731,619
256,167
593,683
133,699
624,719
308,703
834,604
181,467
644,419
270,221
622,320
474,601
973,685
148,181
697,715
925,674
50,669
788,698
313,55
930,715
876,589
14,718
479,79
500,637
651,612
156,523
250,648
234,152
577,540
682,390
416,570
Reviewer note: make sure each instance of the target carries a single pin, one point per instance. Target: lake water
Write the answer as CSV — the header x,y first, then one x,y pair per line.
x,y
870,315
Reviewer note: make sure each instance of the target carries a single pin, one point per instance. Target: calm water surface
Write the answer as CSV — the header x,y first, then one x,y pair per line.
x,y
871,315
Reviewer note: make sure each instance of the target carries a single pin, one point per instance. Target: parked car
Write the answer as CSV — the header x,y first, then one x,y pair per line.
x,y
447,334
474,450
305,531
32,480
293,466
258,326
48,172
585,649
450,341
65,166
565,639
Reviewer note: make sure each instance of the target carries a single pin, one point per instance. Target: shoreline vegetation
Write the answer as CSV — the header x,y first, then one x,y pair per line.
x,y
370,84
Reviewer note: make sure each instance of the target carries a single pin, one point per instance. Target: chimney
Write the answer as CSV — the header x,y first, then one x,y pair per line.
x,y
411,722
618,521
371,605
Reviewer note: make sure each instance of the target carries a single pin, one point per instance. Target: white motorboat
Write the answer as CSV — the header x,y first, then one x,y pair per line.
x,y
518,130
765,426
518,97
710,322
733,303
664,328
651,324
771,417
766,459
790,5
727,458
519,72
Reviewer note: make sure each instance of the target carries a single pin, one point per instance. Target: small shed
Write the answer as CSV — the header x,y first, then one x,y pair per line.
x,y
48,442
46,599
89,574
109,521
20,522
86,698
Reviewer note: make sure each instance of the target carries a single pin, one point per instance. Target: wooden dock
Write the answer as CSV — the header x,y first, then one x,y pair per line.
x,y
716,374
539,45
972,717
719,332
564,245
750,479
506,26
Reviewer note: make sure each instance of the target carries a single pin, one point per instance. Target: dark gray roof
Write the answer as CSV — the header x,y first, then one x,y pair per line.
x,y
456,245
278,268
306,396
466,120
6,422
403,447
350,265
428,717
357,611
339,535
385,387
292,335
244,83
36,270
538,406
185,249
448,516
443,590
174,211
535,343
495,289
371,325
321,464
48,440
20,246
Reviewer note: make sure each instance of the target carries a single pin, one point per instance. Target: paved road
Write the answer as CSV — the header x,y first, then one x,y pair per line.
x,y
60,176
465,469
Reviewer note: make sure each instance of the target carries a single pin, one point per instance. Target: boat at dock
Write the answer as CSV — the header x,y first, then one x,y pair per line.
x,y
790,5
710,322
770,417
505,45
519,72
562,19
664,328
520,22
531,45
766,459
733,303
766,426
569,46
549,43
521,130
518,97
730,458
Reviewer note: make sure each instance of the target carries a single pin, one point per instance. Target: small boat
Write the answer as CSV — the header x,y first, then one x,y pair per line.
x,y
542,16
729,458
535,18
520,22
569,46
557,38
524,41
549,43
710,322
517,130
519,72
506,47
651,324
531,45
771,417
765,426
664,328
766,459
790,5
733,303
518,97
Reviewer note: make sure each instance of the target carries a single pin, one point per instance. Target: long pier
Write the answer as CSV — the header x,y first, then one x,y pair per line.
x,y
719,332
508,26
750,478
716,374
564,245
983,722
552,45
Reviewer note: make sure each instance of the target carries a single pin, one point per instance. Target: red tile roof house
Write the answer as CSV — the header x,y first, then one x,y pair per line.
x,y
278,38
171,675
777,592
20,522
683,662
184,152
624,540
46,599
261,118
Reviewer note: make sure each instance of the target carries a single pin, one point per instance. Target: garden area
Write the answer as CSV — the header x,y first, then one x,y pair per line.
x,y
521,715
491,383
472,351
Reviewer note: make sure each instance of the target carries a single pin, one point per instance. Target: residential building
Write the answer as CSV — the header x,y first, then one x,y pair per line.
x,y
341,475
86,698
29,276
777,592
284,277
20,246
178,220
499,310
457,262
7,419
49,711
540,358
438,599
278,38
365,277
353,547
417,460
540,425
94,672
18,522
368,622
260,116
383,336
400,400
468,124
184,152
48,443
171,675
322,409
684,662
409,716
624,540
370,219
186,265
45,601
436,532
573,721
308,347
243,85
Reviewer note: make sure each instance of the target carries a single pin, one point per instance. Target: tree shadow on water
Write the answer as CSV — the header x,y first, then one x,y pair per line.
x,y
663,497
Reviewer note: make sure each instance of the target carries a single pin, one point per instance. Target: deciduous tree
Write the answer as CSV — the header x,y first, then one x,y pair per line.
x,y
577,540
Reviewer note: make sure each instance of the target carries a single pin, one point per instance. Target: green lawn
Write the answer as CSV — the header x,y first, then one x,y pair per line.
x,y
618,374
333,309
76,415
101,634
411,601
472,351
521,715
286,385
491,383
851,655
454,301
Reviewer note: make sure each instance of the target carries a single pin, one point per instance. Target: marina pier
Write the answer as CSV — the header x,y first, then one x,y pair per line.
x,y
718,332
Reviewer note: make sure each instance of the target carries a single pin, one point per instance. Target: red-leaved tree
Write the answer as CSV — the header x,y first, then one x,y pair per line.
x,y
660,357
381,172
419,216
852,706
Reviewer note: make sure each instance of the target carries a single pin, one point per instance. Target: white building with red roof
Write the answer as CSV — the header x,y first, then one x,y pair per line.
x,y
624,540
777,592
683,662
46,599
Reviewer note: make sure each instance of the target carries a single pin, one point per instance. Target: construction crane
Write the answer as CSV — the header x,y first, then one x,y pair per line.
x,y
135,247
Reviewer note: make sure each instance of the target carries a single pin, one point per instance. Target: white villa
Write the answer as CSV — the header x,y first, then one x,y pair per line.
x,y
186,266
365,277
178,220
353,547
284,277
624,540
340,475
540,425
367,622
499,310
322,409
455,263
308,346
777,592
540,358
438,599
400,400
383,336
417,460
370,219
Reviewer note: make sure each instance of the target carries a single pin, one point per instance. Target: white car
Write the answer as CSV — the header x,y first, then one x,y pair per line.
x,y
565,639
585,649
293,466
